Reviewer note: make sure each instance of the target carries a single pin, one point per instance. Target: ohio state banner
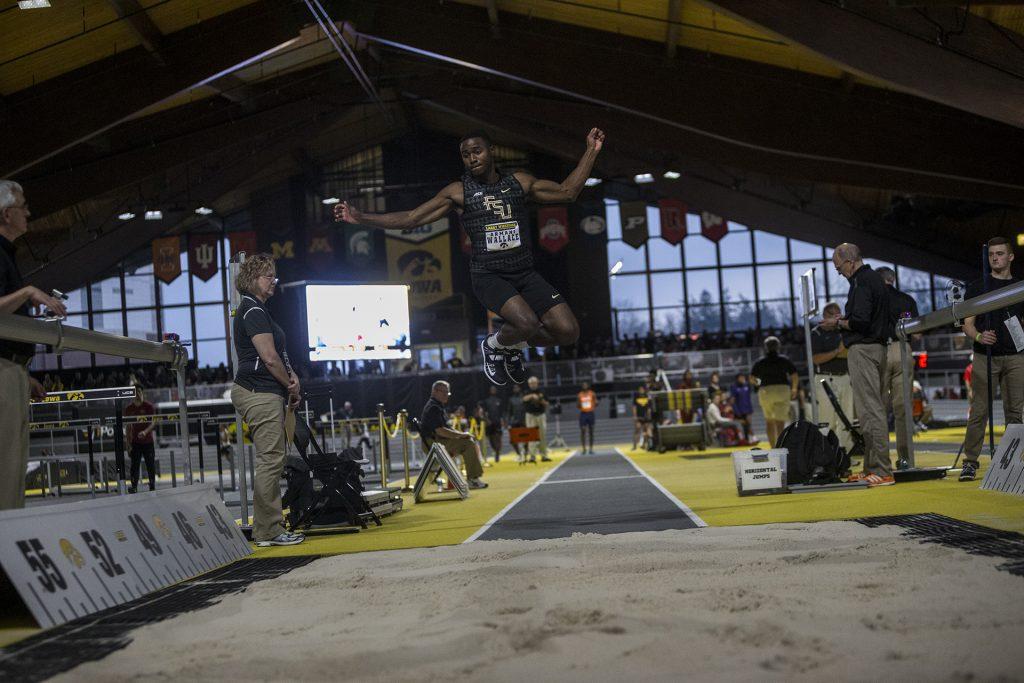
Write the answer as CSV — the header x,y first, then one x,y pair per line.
x,y
202,254
673,220
553,222
426,266
634,223
167,258
243,241
712,226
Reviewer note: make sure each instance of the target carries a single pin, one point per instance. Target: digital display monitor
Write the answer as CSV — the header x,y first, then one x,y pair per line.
x,y
358,322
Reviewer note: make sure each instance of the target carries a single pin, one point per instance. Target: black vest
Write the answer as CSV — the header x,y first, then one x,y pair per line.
x,y
496,220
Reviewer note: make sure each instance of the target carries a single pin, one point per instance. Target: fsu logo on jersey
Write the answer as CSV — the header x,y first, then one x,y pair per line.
x,y
497,207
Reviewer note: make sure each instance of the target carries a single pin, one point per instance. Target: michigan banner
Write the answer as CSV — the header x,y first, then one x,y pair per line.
x,y
423,265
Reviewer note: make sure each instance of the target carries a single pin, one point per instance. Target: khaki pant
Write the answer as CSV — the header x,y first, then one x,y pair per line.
x,y
840,385
893,387
265,415
867,374
1008,371
775,402
464,448
541,423
13,434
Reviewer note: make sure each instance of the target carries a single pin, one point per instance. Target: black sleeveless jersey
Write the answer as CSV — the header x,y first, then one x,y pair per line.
x,y
496,220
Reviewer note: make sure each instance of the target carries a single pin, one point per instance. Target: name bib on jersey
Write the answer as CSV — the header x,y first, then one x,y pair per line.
x,y
502,236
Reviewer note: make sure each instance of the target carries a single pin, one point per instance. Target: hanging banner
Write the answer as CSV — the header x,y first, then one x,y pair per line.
x,y
554,228
712,226
590,220
465,243
673,220
422,233
167,258
425,266
319,247
202,254
634,223
359,245
243,241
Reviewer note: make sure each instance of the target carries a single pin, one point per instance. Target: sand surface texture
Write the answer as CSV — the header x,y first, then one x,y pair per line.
x,y
825,601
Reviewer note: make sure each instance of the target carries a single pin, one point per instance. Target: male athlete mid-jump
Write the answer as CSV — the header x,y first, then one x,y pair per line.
x,y
493,210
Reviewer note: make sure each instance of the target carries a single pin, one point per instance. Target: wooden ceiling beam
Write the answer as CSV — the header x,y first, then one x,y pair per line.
x,y
142,26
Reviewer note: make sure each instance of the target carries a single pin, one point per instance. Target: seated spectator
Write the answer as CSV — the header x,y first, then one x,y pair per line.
x,y
725,430
458,444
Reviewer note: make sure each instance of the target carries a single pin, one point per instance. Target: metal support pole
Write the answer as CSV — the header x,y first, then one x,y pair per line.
x,y
92,461
908,406
384,457
119,447
202,465
330,404
809,307
183,420
405,449
239,459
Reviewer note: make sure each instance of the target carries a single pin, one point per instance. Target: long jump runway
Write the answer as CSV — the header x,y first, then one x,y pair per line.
x,y
603,493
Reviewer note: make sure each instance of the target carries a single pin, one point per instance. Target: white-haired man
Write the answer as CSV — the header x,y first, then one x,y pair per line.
x,y
434,426
16,386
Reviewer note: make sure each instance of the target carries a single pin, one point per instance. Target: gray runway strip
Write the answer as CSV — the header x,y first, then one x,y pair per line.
x,y
597,494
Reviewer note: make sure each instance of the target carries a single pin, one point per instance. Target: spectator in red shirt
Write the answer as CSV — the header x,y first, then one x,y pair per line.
x,y
140,439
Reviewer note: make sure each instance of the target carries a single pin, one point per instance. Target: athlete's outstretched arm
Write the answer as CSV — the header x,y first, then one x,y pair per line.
x,y
427,212
548,191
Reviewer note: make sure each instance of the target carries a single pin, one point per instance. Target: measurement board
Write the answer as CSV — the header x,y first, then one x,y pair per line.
x,y
70,560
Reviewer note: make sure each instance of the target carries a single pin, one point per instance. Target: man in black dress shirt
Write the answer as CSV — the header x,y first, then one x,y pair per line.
x,y
901,306
866,329
16,386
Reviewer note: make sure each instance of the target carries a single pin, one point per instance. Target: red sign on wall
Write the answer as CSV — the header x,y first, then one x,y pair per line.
x,y
673,220
553,222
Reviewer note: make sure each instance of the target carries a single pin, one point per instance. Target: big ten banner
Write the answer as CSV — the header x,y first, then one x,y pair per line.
x,y
320,252
421,258
202,255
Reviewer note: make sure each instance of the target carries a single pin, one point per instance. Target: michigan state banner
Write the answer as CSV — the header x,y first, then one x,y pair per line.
x,y
421,258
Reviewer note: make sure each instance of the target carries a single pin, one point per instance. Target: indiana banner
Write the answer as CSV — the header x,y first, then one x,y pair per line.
x,y
673,220
359,249
202,254
634,223
712,226
425,266
167,258
554,228
243,241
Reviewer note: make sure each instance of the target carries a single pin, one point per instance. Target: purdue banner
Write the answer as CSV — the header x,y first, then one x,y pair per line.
x,y
554,228
202,255
421,258
167,258
673,220
634,223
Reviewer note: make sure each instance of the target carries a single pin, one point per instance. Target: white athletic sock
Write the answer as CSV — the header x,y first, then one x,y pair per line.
x,y
492,342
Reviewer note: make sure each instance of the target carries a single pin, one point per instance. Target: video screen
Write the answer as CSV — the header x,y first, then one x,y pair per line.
x,y
358,322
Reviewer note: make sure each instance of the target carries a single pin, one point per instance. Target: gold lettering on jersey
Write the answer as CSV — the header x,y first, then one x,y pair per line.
x,y
497,207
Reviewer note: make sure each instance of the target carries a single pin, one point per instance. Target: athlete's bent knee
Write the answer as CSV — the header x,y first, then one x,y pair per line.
x,y
567,334
526,326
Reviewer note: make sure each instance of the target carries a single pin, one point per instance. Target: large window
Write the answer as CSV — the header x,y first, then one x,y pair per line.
x,y
748,280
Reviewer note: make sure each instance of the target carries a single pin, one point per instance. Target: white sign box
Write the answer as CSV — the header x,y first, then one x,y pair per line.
x,y
1006,473
760,471
70,560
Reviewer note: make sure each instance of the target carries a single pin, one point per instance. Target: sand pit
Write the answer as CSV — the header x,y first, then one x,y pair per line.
x,y
825,601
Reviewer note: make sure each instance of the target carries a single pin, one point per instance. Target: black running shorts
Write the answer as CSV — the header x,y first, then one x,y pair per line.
x,y
494,289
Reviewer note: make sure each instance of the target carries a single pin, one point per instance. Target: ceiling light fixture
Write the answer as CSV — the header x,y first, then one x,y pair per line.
x,y
616,268
591,182
33,4
673,175
154,214
126,216
330,200
642,178
204,211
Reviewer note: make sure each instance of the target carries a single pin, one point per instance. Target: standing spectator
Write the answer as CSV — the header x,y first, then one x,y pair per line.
x,y
830,365
516,416
478,426
140,440
968,374
777,382
16,386
688,382
458,420
586,401
901,306
714,384
433,427
536,406
495,409
992,338
265,385
865,331
643,416
743,407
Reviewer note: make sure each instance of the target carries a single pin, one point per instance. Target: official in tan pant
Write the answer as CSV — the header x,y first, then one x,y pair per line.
x,y
867,376
840,385
895,371
13,434
540,421
1008,372
469,451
